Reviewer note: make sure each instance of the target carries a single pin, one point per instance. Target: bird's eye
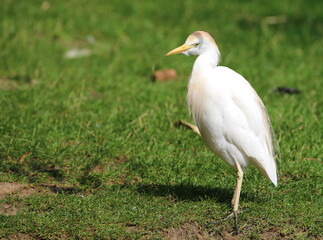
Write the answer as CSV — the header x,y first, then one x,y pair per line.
x,y
196,44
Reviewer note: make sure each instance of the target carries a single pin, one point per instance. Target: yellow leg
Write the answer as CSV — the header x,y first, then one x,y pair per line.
x,y
191,126
237,191
236,195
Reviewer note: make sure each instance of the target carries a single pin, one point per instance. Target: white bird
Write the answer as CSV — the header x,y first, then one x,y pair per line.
x,y
229,114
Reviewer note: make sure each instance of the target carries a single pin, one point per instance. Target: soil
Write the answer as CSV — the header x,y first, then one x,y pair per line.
x,y
20,189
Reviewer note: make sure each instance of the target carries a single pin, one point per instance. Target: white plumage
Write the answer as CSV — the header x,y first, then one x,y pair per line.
x,y
230,116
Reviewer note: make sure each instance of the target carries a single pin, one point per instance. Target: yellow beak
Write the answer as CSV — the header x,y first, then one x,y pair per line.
x,y
180,49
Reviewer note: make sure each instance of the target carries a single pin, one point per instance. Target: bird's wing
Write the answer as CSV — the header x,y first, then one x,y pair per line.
x,y
247,126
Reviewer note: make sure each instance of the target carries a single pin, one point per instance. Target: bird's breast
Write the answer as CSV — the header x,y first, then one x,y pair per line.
x,y
203,95
206,97
196,95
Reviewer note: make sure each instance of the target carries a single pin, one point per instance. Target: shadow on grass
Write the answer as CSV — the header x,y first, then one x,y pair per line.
x,y
61,190
190,192
33,169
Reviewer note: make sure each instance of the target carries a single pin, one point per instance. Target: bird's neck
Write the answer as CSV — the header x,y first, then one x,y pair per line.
x,y
208,59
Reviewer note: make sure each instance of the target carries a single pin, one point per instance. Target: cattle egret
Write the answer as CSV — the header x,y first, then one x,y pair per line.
x,y
230,116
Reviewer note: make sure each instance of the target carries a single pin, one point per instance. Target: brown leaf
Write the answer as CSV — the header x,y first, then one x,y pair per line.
x,y
24,156
165,74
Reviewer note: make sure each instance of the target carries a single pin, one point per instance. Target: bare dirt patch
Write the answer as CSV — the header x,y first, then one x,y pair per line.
x,y
9,209
14,189
138,230
187,231
19,189
272,233
191,230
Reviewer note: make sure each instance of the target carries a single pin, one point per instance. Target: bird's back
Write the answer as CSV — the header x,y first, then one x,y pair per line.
x,y
232,119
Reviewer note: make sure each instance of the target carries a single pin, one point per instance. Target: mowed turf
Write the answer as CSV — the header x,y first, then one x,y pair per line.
x,y
92,140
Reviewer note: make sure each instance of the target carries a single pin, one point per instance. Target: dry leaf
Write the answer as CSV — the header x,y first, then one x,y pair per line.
x,y
24,156
163,75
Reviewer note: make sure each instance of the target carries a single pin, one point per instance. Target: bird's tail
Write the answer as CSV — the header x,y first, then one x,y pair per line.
x,y
270,171
271,149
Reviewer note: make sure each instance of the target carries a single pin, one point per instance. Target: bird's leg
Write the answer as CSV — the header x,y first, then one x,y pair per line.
x,y
236,194
237,191
235,200
189,125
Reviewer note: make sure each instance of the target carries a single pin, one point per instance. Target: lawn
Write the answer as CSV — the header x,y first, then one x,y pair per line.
x,y
89,147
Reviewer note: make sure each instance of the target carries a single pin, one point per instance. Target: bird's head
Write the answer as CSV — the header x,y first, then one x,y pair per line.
x,y
197,43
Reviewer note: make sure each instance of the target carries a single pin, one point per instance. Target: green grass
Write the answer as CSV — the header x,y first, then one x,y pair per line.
x,y
100,130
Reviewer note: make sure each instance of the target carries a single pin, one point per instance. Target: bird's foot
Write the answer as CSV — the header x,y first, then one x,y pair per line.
x,y
234,215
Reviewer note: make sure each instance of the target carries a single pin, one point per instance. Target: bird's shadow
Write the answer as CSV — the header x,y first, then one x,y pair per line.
x,y
189,192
